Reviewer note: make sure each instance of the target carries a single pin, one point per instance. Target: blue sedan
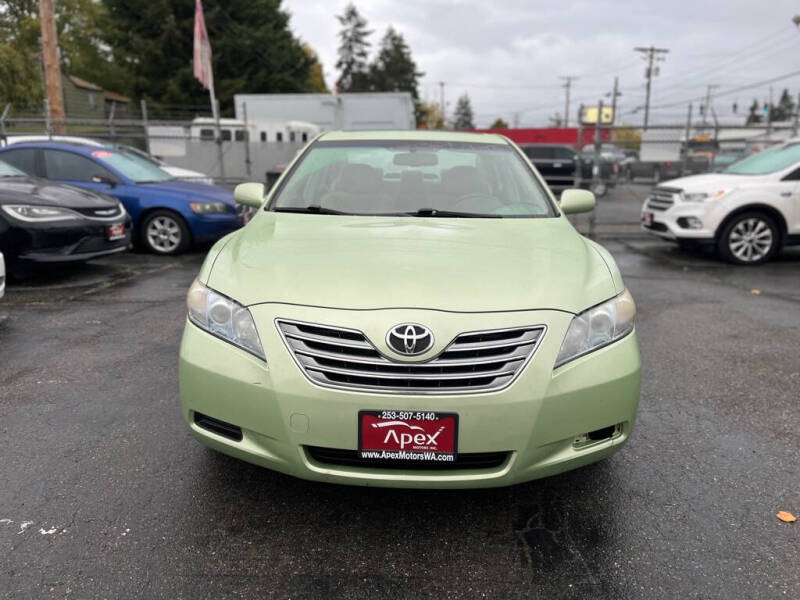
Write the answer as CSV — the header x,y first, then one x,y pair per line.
x,y
168,215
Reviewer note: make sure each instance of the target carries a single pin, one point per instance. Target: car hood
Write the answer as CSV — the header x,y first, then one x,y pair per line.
x,y
469,265
30,190
181,172
201,191
706,181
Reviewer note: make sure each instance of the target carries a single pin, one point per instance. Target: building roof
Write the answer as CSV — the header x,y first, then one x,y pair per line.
x,y
414,135
115,97
82,83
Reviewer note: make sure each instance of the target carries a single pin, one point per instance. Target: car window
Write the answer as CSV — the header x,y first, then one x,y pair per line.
x,y
563,153
133,167
6,170
767,161
69,166
23,159
403,177
540,152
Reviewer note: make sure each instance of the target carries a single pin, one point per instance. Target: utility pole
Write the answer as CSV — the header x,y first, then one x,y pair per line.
x,y
651,55
441,100
52,70
614,95
568,79
685,146
707,107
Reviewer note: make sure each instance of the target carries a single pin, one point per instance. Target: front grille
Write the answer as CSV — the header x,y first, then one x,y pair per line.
x,y
661,198
473,362
352,458
105,212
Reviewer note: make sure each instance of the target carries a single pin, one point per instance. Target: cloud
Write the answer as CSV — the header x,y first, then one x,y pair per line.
x,y
508,55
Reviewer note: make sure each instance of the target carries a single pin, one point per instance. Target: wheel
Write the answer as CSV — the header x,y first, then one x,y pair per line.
x,y
749,239
599,189
657,176
165,232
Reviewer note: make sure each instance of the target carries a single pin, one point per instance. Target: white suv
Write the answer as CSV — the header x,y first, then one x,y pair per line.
x,y
747,213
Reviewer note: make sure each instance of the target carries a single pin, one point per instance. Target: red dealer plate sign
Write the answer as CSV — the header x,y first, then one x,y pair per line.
x,y
407,435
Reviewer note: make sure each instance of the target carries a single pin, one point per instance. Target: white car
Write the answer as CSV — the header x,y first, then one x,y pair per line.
x,y
176,172
2,275
747,213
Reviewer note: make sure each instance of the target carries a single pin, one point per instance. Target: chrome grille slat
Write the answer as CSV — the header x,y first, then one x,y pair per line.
x,y
662,198
346,358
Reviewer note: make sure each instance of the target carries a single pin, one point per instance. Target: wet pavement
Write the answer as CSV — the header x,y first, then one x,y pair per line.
x,y
104,494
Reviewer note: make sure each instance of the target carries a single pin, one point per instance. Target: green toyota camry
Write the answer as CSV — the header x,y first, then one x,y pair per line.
x,y
410,309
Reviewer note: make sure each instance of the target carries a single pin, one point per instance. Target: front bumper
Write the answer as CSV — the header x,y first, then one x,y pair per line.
x,y
540,421
671,224
65,241
211,227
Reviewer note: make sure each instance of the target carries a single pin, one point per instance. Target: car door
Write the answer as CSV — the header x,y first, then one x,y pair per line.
x,y
790,189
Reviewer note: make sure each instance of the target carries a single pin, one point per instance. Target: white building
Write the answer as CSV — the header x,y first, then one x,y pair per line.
x,y
369,110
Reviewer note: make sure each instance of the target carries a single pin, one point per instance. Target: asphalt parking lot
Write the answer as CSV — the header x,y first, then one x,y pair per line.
x,y
104,494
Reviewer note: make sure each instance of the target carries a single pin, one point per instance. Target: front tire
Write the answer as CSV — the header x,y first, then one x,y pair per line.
x,y
750,238
165,232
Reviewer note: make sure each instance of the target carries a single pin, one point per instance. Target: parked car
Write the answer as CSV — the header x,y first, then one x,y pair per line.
x,y
44,222
411,309
747,213
607,169
176,172
168,215
557,164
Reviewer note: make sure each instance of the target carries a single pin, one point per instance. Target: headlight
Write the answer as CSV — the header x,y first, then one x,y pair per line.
x,y
224,318
207,208
703,196
39,214
598,327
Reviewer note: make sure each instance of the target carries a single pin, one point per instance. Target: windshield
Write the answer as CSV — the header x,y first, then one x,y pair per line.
x,y
6,170
452,179
132,166
767,161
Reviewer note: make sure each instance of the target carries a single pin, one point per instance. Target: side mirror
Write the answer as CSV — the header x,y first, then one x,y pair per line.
x,y
249,194
576,201
102,179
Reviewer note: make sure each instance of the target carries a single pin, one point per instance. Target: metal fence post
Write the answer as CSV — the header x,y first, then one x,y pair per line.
x,y
3,131
143,105
48,125
579,146
111,132
596,175
220,154
686,141
247,162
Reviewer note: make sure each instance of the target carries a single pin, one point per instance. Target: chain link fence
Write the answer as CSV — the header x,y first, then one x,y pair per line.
x,y
177,135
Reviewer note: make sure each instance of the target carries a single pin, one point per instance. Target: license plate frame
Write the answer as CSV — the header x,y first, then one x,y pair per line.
x,y
116,232
407,435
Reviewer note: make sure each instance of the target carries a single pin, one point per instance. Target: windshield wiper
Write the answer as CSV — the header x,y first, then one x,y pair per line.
x,y
435,212
312,208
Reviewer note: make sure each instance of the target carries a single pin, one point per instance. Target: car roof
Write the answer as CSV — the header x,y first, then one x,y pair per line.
x,y
413,136
81,148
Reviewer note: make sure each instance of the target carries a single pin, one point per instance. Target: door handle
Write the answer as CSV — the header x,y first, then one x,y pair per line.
x,y
786,194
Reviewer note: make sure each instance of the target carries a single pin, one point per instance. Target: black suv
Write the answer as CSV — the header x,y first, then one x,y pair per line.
x,y
555,163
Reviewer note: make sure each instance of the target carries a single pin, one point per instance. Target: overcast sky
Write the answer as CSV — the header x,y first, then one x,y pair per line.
x,y
508,55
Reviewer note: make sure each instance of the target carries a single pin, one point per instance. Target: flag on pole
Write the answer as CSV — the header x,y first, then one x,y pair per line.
x,y
202,50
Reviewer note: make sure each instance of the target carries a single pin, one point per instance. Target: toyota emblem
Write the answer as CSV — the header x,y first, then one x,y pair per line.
x,y
409,339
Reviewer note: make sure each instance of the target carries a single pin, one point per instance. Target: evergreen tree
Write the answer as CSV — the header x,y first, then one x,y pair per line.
x,y
353,48
393,69
784,111
463,117
252,47
499,123
754,116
